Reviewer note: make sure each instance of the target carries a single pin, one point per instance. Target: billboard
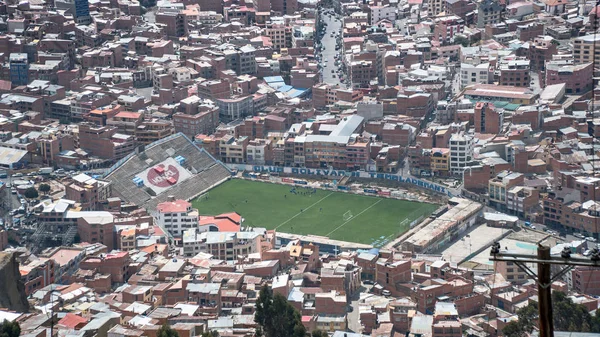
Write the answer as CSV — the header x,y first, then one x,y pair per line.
x,y
162,176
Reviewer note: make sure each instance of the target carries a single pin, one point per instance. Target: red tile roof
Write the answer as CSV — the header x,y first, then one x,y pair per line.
x,y
177,206
72,321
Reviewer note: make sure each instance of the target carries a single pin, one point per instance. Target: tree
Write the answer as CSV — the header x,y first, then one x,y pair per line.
x,y
10,329
44,188
319,333
213,333
524,325
276,317
567,316
31,193
166,331
462,40
513,329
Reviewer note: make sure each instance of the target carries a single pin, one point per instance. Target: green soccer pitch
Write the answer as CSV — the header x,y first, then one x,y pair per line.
x,y
340,216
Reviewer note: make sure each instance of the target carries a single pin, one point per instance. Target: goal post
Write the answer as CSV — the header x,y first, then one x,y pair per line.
x,y
348,215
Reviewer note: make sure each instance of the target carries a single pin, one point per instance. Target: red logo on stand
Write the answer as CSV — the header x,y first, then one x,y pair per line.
x,y
162,179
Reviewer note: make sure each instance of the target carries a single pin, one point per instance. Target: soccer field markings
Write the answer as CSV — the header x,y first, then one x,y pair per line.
x,y
306,209
354,217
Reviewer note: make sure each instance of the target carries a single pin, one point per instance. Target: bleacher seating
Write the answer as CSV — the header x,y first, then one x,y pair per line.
x,y
206,171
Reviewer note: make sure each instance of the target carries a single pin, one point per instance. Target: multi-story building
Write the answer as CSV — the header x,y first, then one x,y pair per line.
x,y
247,60
259,152
235,108
386,12
510,271
19,68
500,185
152,130
232,150
586,280
440,161
284,7
487,118
280,34
222,245
522,200
514,73
331,150
541,50
576,77
586,49
461,152
80,9
474,74
176,216
87,191
172,19
447,27
214,89
105,142
489,12
203,120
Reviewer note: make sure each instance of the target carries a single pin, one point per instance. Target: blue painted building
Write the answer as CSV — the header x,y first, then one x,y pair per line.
x,y
19,69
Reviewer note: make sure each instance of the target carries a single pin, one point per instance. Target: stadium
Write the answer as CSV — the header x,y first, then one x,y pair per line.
x,y
170,166
176,166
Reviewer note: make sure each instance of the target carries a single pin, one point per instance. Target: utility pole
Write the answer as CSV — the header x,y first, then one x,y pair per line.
x,y
544,292
544,277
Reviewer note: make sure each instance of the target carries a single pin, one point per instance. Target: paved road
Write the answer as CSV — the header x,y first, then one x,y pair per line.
x,y
354,315
328,55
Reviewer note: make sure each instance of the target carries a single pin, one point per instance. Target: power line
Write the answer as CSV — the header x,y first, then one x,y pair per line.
x,y
544,277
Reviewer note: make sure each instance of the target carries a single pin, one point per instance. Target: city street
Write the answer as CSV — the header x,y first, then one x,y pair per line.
x,y
328,51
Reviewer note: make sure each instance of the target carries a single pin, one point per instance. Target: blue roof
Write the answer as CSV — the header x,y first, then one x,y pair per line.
x,y
285,88
374,251
296,93
270,79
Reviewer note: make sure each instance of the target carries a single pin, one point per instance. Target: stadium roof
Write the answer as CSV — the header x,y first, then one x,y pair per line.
x,y
205,171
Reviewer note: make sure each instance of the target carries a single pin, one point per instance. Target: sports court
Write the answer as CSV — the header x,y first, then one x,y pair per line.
x,y
338,215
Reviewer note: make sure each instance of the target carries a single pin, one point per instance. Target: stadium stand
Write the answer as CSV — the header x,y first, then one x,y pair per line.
x,y
206,171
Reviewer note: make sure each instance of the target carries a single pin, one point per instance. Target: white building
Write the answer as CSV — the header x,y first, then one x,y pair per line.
x,y
176,216
461,152
222,245
379,13
474,74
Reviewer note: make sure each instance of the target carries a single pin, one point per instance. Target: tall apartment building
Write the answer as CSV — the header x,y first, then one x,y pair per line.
x,y
586,280
176,216
584,50
19,68
284,6
435,7
541,50
447,27
80,9
196,117
173,21
461,152
489,12
487,118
